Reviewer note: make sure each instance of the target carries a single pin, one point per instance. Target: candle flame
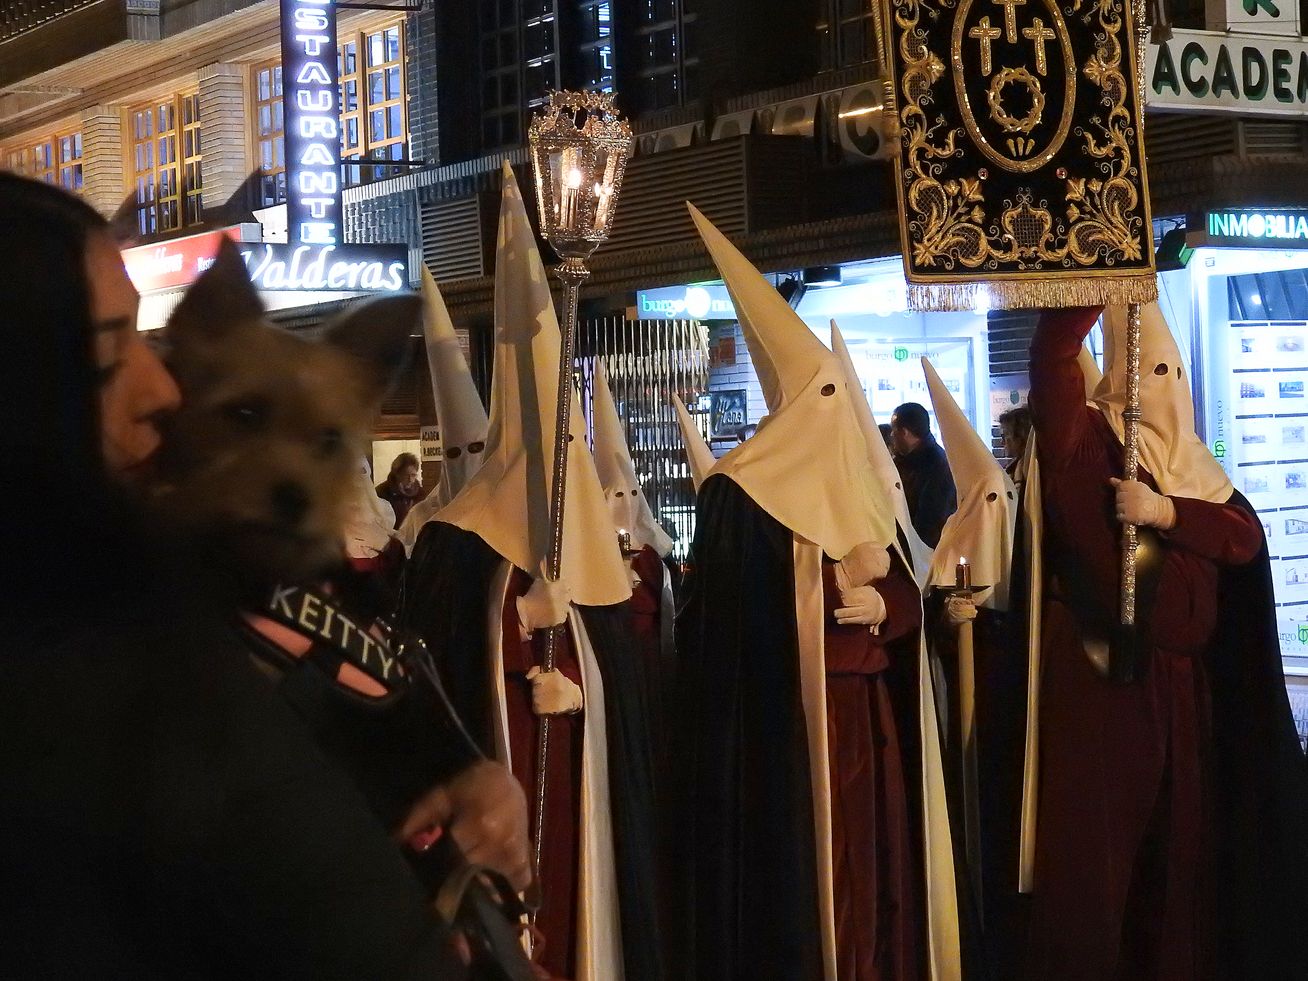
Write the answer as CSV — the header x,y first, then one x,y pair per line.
x,y
572,179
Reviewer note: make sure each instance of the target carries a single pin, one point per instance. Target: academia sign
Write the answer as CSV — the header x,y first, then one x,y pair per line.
x,y
1229,73
339,268
1279,228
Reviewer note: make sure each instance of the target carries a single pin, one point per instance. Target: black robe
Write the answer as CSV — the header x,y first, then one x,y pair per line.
x,y
444,599
747,848
1261,782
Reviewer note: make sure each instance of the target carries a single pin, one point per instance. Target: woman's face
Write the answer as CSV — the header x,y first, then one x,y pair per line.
x,y
135,388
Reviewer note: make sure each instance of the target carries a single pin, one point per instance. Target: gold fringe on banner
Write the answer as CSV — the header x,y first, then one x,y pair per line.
x,y
1032,293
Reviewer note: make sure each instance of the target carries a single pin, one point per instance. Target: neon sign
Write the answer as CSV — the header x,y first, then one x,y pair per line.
x,y
313,122
1282,229
344,268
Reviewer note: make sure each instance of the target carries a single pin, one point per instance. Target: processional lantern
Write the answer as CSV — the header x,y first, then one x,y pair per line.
x,y
579,151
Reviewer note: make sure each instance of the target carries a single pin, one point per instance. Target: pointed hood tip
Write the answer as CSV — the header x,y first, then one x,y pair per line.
x,y
699,455
970,460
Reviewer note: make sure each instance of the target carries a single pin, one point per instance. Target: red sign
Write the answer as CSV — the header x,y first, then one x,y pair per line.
x,y
176,263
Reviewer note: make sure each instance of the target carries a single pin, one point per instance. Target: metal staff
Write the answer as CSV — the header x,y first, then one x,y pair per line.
x,y
967,732
1130,471
1125,667
579,151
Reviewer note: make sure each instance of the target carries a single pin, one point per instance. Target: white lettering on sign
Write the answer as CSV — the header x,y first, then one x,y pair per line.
x,y
357,269
312,121
1257,225
696,302
1236,73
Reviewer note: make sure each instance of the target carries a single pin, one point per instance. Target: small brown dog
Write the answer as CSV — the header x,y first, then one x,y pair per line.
x,y
257,464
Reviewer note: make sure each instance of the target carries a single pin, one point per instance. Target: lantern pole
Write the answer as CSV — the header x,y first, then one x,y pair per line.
x,y
579,151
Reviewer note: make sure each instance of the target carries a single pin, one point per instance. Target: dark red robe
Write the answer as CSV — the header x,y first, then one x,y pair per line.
x,y
560,851
1124,864
877,857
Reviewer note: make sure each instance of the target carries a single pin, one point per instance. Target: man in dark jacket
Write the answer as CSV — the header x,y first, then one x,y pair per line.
x,y
924,470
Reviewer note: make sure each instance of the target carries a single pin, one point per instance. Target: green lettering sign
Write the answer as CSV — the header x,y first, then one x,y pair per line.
x,y
1253,69
1224,74
1281,75
1165,71
1192,52
1301,89
1251,7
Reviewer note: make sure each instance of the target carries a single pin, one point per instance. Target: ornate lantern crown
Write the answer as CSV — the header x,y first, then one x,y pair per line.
x,y
579,151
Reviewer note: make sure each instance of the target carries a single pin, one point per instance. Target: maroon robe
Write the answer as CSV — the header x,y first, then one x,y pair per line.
x,y
1124,854
876,850
560,852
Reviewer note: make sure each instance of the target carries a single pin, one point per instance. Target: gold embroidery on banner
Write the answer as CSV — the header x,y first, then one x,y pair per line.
x,y
995,96
949,221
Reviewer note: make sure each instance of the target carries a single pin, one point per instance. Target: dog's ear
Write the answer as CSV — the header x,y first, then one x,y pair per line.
x,y
378,333
220,299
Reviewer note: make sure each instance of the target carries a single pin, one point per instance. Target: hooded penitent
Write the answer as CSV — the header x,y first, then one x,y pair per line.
x,y
506,502
981,530
368,519
836,505
627,504
879,455
459,411
471,565
699,457
1169,448
752,646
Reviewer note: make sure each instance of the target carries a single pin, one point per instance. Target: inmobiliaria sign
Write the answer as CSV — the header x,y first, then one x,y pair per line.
x,y
313,122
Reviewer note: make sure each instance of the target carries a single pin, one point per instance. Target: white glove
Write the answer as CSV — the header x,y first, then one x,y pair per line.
x,y
960,609
544,605
1138,505
865,564
863,604
553,693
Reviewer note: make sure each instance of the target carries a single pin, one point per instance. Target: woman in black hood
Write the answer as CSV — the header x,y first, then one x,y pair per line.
x,y
161,813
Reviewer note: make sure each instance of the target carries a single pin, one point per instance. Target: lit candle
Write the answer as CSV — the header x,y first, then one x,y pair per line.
x,y
963,574
571,195
604,193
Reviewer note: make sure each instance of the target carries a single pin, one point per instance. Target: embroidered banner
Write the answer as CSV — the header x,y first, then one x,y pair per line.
x,y
1020,170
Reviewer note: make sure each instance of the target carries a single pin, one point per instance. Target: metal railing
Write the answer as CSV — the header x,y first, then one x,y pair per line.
x,y
20,16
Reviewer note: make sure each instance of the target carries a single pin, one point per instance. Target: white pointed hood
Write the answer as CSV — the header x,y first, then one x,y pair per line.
x,y
698,454
506,502
1169,447
628,506
1089,371
981,530
459,411
806,466
879,456
369,520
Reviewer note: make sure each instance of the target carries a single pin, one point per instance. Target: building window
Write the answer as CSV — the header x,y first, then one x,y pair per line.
x,y
374,111
846,35
373,104
166,163
596,47
666,56
57,160
519,65
70,161
270,133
